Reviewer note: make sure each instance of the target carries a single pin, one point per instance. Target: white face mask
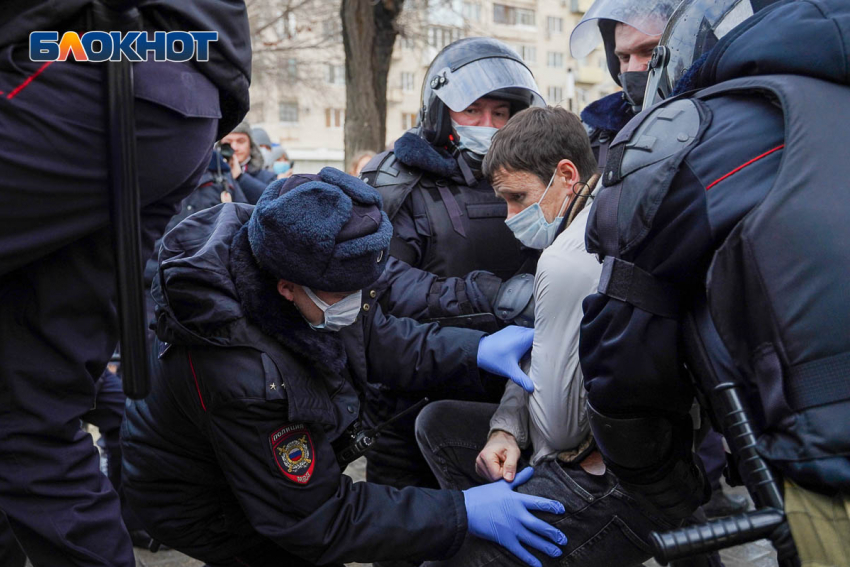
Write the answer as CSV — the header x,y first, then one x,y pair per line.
x,y
530,227
341,314
476,139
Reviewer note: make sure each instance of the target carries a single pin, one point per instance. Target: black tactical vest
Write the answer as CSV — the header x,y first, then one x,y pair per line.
x,y
777,287
463,227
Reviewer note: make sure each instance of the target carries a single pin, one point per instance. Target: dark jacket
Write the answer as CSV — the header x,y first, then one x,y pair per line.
x,y
235,445
700,193
229,66
603,119
254,181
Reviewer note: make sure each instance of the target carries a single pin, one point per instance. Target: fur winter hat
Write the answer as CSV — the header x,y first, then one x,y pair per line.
x,y
326,232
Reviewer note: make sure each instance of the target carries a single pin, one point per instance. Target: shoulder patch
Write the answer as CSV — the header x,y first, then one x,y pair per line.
x,y
292,449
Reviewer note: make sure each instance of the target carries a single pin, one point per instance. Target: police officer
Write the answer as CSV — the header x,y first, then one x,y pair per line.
x,y
732,214
629,31
272,331
451,250
58,317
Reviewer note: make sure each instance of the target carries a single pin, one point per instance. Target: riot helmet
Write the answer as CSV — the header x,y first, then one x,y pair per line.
x,y
598,25
465,71
693,30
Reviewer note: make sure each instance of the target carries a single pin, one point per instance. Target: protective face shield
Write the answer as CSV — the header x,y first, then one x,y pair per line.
x,y
467,70
694,29
598,23
339,315
530,227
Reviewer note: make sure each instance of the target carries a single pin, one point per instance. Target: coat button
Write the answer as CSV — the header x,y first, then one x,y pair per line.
x,y
366,307
350,409
373,294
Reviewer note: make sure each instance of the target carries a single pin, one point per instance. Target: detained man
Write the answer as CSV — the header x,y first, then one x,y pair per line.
x,y
542,165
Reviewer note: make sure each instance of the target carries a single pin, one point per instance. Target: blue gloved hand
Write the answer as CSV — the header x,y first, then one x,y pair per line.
x,y
501,352
496,513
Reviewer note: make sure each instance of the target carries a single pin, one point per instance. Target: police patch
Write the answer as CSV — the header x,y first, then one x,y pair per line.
x,y
292,448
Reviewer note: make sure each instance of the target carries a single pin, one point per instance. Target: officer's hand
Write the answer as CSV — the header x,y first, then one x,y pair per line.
x,y
498,458
501,352
496,513
235,167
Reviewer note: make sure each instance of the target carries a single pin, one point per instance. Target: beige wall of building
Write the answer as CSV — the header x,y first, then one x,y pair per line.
x,y
307,115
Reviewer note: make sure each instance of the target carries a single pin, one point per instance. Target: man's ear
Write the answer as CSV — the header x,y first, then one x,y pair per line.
x,y
568,171
286,289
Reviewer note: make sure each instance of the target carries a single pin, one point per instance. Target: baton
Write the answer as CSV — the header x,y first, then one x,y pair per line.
x,y
122,15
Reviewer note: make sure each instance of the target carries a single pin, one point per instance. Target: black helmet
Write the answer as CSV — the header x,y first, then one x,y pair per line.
x,y
467,70
693,30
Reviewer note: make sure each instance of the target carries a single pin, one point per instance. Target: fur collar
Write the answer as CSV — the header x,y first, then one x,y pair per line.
x,y
414,151
608,113
277,317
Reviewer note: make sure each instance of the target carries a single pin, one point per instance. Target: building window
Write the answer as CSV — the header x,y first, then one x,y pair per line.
x,y
408,43
528,53
335,74
407,81
290,70
440,37
555,25
334,117
555,59
555,95
332,30
286,26
574,7
472,11
511,16
288,112
408,120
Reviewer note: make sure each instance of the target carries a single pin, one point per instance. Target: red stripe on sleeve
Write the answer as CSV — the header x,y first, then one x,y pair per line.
x,y
195,376
28,80
742,166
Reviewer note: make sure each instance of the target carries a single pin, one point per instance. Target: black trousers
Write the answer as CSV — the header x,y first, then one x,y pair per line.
x,y
605,525
58,321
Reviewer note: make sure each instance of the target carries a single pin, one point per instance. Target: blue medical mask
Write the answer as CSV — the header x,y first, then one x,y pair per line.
x,y
530,227
281,167
476,139
339,315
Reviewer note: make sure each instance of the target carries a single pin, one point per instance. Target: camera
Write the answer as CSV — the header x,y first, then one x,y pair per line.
x,y
226,152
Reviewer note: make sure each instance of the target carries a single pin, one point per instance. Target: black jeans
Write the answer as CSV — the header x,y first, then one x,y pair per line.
x,y
605,526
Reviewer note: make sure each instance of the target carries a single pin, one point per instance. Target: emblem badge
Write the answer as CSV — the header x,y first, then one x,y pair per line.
x,y
292,448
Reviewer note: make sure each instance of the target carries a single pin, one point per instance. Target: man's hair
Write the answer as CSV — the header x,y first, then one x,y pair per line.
x,y
536,139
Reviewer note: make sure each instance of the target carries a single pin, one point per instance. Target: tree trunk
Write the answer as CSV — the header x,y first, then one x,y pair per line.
x,y
369,33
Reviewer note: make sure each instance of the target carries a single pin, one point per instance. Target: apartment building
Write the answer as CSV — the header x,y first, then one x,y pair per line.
x,y
301,100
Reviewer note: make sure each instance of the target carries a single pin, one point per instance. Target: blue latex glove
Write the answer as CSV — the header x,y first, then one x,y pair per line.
x,y
496,513
501,352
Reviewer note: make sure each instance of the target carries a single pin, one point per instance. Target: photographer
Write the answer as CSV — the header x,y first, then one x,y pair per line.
x,y
246,162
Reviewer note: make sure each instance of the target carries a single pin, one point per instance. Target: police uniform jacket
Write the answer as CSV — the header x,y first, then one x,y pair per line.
x,y
229,65
688,175
235,445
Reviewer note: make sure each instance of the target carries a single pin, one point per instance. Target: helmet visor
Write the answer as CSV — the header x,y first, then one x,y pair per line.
x,y
695,28
500,77
646,16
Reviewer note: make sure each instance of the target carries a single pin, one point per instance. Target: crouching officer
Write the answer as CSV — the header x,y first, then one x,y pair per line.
x,y
269,334
722,225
